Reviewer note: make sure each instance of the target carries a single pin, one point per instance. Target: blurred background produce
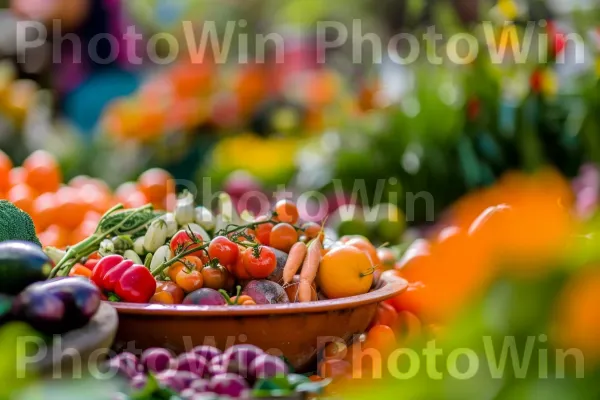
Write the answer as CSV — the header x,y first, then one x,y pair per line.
x,y
396,152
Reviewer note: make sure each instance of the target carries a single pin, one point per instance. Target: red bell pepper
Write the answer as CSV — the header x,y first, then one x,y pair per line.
x,y
130,282
136,285
109,281
103,266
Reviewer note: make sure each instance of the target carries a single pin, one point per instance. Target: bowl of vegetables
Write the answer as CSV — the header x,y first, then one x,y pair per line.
x,y
193,277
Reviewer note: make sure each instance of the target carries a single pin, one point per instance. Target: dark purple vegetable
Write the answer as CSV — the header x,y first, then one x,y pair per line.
x,y
59,305
266,366
170,380
207,352
188,394
157,360
138,382
186,378
205,297
237,359
21,264
192,363
266,292
200,385
125,364
231,385
216,367
277,274
205,396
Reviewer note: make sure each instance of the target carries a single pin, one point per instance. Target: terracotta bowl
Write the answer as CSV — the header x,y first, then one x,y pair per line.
x,y
292,330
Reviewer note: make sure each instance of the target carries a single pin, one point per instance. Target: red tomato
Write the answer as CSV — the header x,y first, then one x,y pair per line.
x,y
259,262
182,241
224,250
263,231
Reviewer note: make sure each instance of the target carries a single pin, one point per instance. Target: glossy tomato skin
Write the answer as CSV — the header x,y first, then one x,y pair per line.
x,y
262,266
286,211
224,250
263,231
283,236
182,241
214,277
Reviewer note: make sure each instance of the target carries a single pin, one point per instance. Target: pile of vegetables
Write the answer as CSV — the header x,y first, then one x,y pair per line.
x,y
53,306
192,256
206,372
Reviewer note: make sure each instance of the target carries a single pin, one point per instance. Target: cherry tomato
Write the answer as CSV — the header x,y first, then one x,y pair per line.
x,y
259,262
214,277
224,250
239,269
189,281
286,211
182,241
263,231
312,230
156,184
189,263
172,289
283,236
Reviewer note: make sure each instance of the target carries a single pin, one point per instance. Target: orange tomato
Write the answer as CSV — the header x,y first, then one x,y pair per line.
x,y
381,338
17,176
174,270
43,172
162,298
366,246
286,212
5,167
94,198
156,184
283,236
45,210
189,281
22,196
175,292
71,207
345,271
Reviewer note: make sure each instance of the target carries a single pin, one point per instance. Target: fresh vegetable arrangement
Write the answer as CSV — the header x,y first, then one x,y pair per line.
x,y
192,256
206,372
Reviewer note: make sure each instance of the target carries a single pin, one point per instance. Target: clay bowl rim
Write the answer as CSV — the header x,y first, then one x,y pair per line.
x,y
390,286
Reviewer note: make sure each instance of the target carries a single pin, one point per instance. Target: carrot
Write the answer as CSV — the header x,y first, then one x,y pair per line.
x,y
309,270
294,261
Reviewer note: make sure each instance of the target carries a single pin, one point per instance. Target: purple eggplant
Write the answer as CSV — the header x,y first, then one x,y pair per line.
x,y
59,305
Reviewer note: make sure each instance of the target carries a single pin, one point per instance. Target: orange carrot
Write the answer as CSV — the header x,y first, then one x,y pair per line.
x,y
294,261
309,270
